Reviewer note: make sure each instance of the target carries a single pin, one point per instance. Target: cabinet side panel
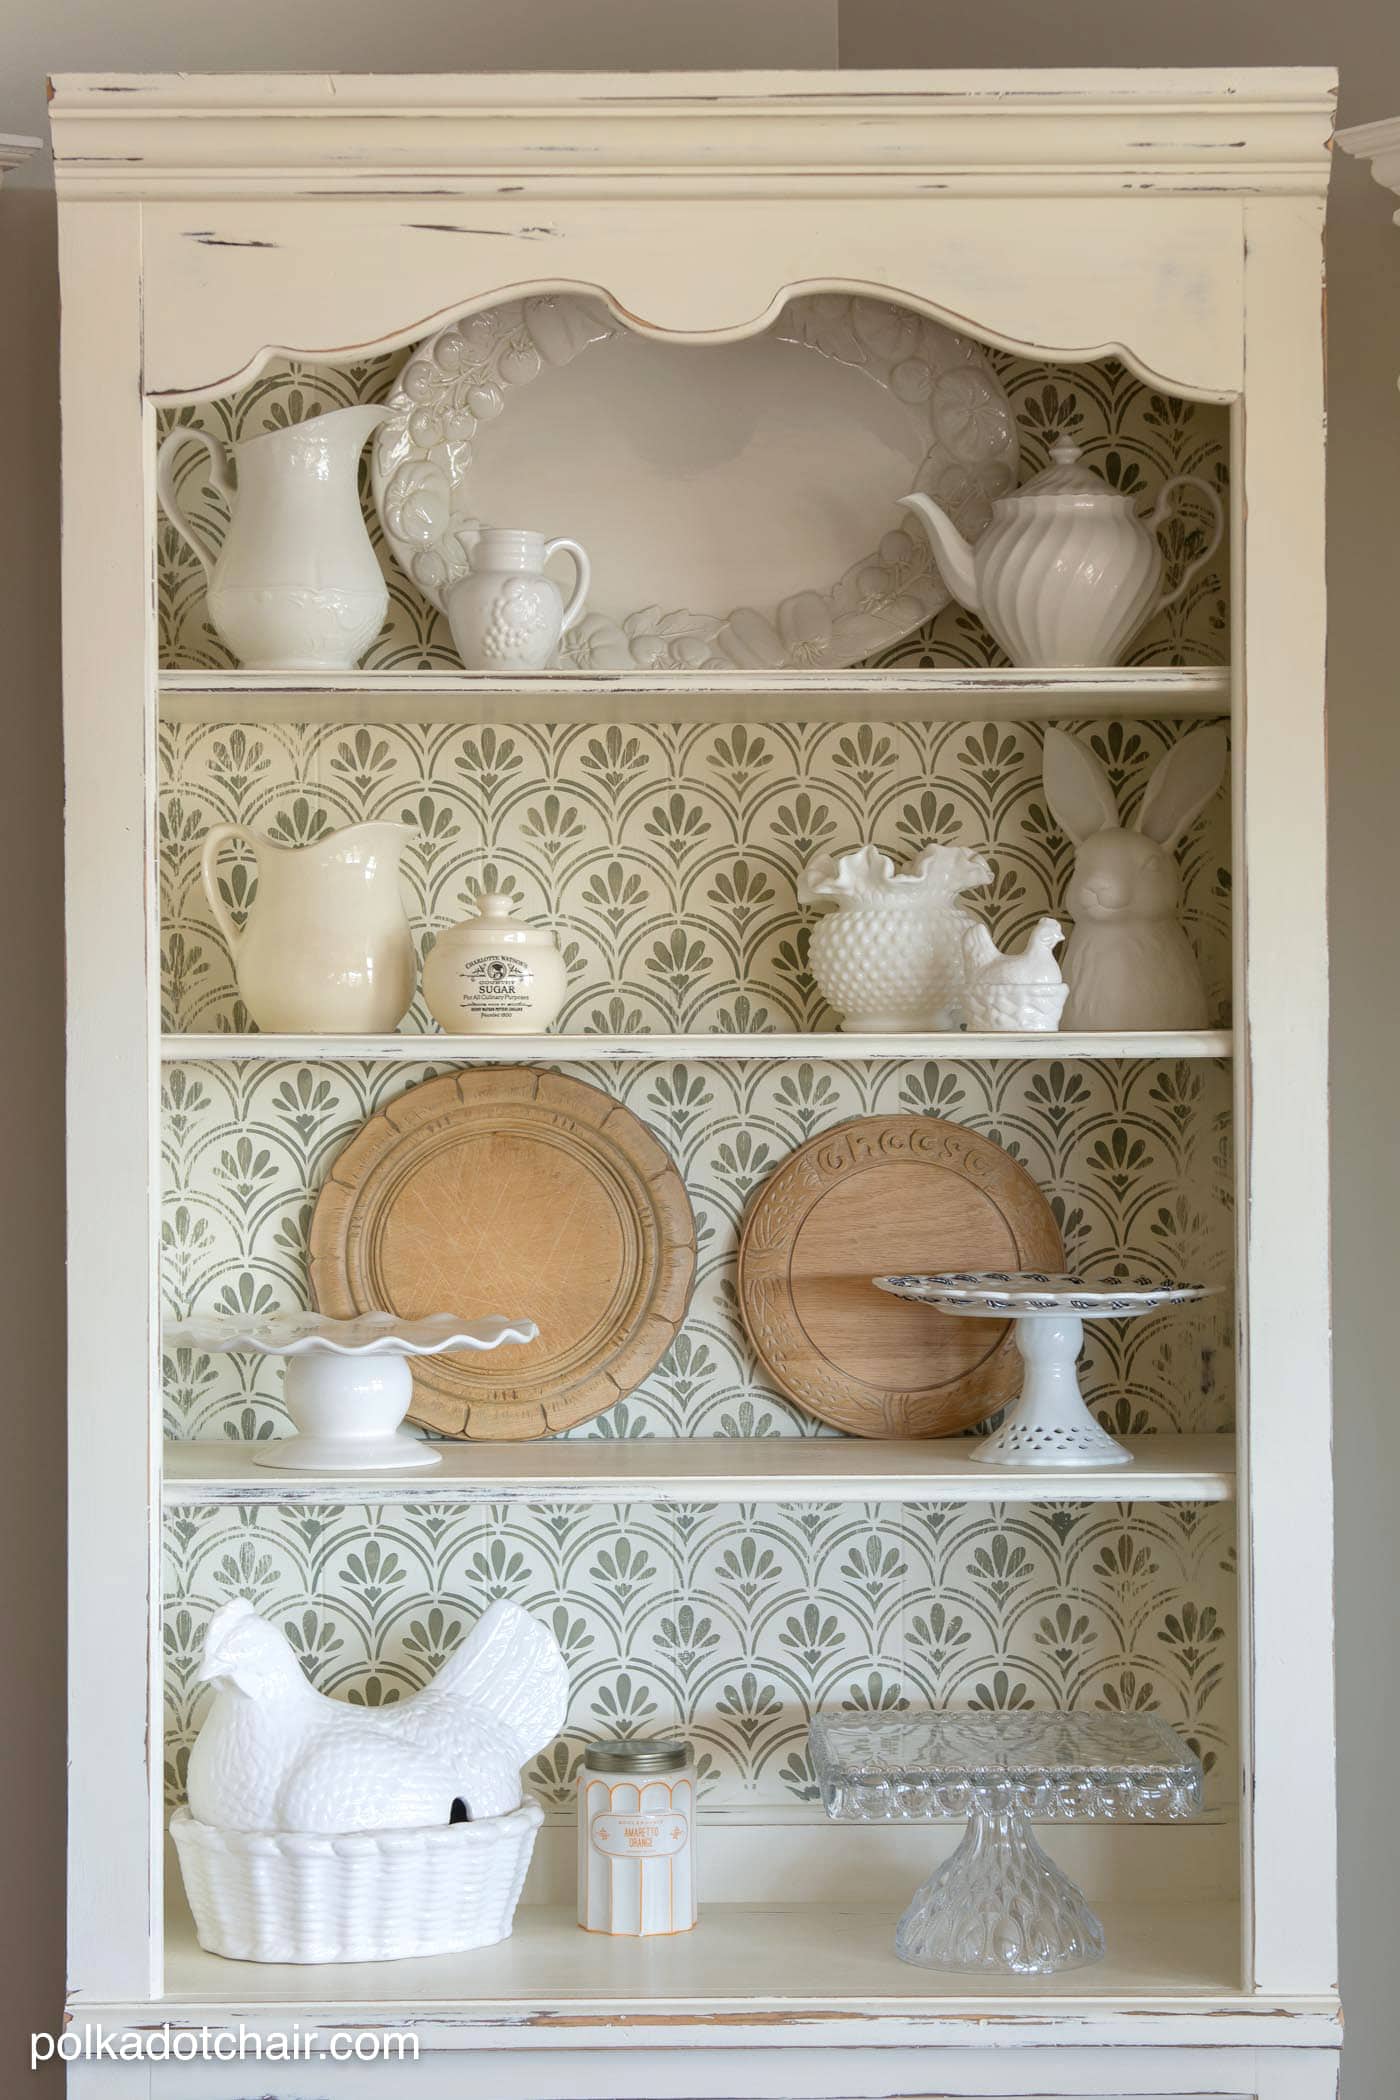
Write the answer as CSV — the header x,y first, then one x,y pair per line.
x,y
1286,1483
108,677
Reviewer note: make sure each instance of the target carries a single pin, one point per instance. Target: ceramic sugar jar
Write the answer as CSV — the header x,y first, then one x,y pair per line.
x,y
889,959
1066,572
506,614
492,975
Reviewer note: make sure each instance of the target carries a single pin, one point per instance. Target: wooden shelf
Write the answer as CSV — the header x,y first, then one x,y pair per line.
x,y
759,1974
714,1469
465,697
635,1049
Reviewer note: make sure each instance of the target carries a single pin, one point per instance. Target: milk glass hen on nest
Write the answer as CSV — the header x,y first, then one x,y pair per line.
x,y
274,1754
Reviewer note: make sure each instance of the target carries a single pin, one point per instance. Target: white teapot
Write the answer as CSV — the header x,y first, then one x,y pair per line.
x,y
1066,572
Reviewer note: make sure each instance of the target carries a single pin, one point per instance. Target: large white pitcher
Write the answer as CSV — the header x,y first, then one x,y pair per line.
x,y
296,585
327,949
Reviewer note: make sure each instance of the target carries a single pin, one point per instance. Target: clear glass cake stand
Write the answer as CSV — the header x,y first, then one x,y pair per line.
x,y
1000,1904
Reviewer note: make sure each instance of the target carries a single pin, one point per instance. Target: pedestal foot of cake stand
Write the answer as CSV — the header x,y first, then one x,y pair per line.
x,y
1050,1425
1000,1904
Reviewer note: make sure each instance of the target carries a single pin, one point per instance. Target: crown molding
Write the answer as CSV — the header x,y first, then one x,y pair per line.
x,y
14,151
1099,132
1378,143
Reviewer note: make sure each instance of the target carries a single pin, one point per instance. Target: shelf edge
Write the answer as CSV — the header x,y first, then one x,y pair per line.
x,y
830,1048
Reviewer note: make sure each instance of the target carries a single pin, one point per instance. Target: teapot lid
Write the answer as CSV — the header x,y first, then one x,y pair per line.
x,y
1066,477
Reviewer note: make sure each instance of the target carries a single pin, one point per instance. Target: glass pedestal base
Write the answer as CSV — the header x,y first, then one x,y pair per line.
x,y
1000,1903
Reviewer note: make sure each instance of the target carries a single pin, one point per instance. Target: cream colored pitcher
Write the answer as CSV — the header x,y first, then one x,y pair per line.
x,y
327,949
296,585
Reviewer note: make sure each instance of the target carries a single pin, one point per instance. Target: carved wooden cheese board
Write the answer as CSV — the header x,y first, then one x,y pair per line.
x,y
836,1213
520,1189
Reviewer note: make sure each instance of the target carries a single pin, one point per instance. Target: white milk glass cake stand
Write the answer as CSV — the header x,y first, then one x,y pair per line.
x,y
1000,1904
348,1383
1049,1425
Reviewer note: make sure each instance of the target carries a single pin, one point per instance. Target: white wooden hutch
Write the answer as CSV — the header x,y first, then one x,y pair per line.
x,y
1171,221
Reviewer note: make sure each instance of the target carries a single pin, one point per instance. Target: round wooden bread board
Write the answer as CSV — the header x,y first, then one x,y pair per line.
x,y
512,1191
878,1196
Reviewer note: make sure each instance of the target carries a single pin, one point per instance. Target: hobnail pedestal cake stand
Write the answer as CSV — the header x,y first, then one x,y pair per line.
x,y
1049,1424
999,1903
348,1383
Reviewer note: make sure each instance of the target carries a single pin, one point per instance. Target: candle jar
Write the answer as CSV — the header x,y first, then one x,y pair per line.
x,y
636,1823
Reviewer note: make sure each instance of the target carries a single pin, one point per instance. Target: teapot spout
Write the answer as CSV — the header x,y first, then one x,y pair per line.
x,y
952,551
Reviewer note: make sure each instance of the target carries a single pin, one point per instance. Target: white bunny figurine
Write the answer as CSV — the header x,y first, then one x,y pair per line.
x,y
1128,963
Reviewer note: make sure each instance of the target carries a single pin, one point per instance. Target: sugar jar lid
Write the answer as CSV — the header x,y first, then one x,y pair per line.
x,y
496,904
660,1754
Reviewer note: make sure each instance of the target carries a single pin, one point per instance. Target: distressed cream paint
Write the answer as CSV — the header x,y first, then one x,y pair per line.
x,y
1364,436
1178,222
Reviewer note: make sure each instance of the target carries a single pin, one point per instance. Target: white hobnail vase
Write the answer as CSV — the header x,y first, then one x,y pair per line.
x,y
889,959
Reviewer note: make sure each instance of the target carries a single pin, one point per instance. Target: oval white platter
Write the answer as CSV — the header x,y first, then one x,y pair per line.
x,y
369,1334
738,501
1023,1294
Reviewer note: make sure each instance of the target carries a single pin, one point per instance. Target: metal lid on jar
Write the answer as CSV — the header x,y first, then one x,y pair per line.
x,y
661,1754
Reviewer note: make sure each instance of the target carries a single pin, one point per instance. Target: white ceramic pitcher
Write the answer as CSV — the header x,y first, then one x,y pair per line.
x,y
327,949
506,614
296,585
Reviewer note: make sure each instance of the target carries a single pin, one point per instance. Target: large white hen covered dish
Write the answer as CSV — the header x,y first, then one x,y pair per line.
x,y
317,1831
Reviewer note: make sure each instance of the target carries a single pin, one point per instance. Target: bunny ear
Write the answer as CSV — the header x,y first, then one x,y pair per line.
x,y
1077,788
1182,785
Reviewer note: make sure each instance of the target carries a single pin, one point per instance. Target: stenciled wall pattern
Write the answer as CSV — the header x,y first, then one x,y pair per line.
x,y
1132,434
664,857
734,1622
1135,1157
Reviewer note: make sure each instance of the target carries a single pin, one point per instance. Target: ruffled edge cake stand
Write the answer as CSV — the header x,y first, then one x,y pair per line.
x,y
348,1384
1049,1424
1000,1904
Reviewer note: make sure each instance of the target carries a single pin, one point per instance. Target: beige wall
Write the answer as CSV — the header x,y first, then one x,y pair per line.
x,y
1363,38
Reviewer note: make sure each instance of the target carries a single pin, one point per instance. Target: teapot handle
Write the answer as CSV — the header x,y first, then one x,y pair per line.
x,y
223,835
1158,519
584,573
216,478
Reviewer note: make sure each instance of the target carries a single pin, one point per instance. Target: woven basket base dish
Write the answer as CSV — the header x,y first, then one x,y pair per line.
x,y
375,1895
